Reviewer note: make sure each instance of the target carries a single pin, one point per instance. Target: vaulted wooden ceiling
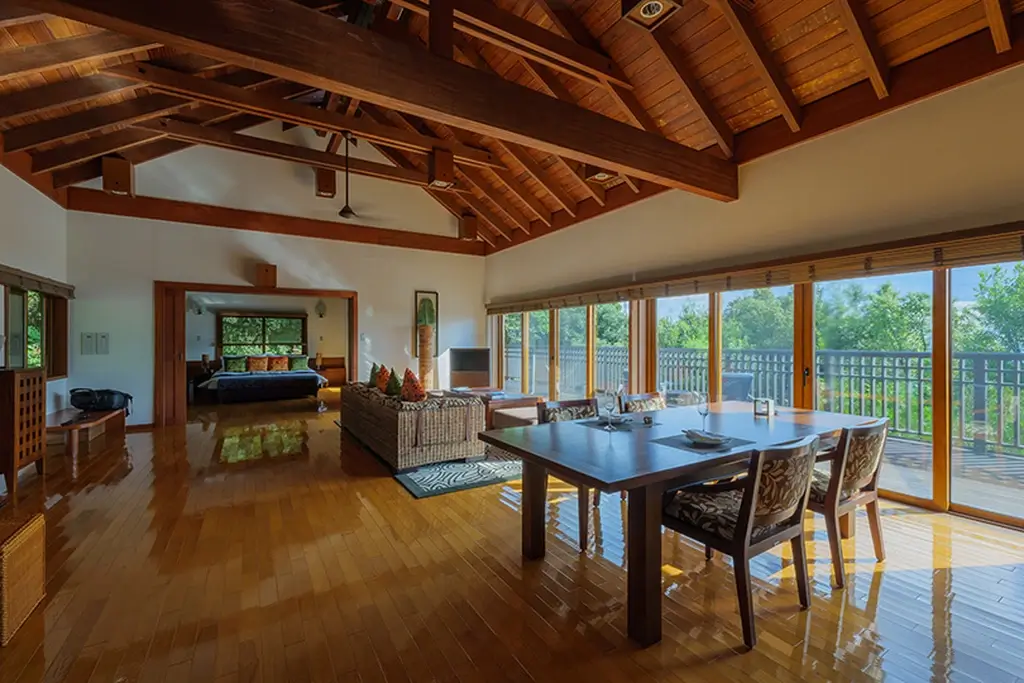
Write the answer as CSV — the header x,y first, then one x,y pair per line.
x,y
720,82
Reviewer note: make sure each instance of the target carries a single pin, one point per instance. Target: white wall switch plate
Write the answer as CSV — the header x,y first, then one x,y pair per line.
x,y
102,343
88,344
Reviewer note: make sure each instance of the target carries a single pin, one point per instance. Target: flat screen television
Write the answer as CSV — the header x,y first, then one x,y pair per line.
x,y
470,367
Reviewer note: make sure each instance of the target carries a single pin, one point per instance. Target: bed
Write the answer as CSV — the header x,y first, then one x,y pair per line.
x,y
243,387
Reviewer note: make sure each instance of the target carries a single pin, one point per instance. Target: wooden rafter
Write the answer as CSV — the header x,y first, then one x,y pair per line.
x,y
22,61
746,32
534,169
442,28
687,82
855,20
60,94
998,13
223,94
357,62
507,30
15,15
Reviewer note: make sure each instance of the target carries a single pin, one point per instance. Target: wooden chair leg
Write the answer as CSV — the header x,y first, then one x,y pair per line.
x,y
709,552
597,498
836,545
803,583
584,511
848,524
744,594
875,520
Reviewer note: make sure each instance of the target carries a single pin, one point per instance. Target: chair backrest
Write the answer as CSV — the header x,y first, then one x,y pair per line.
x,y
566,411
682,398
639,403
859,456
778,484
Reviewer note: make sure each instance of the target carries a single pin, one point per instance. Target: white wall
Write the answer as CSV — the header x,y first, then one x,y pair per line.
x,y
33,238
955,161
209,175
327,335
115,261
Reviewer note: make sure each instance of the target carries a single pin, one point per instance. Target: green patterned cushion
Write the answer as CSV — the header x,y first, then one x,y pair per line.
x,y
394,387
374,371
234,364
298,362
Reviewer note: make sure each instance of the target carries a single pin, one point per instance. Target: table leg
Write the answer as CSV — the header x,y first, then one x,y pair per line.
x,y
535,493
71,451
847,525
643,576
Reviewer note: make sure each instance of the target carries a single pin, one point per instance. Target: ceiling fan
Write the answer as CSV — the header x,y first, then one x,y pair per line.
x,y
346,211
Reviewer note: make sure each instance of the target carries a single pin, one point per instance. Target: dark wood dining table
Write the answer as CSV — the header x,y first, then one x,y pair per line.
x,y
636,460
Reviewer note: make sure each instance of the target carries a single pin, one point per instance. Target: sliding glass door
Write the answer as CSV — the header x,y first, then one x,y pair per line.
x,y
572,353
757,345
512,365
539,368
683,329
873,341
612,347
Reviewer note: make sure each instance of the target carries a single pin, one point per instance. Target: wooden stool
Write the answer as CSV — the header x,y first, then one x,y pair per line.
x,y
22,571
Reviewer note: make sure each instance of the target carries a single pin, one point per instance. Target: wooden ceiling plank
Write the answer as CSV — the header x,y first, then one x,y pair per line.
x,y
483,211
60,94
553,188
78,152
687,82
22,61
998,13
225,95
190,132
854,18
507,30
16,15
753,45
360,63
536,206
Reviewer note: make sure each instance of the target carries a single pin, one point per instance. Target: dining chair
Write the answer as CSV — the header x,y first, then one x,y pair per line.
x,y
856,462
639,403
746,517
566,411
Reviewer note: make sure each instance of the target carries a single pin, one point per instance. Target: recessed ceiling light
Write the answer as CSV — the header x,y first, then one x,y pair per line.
x,y
649,14
651,9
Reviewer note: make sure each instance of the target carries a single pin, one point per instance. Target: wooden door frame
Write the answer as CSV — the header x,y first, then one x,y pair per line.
x,y
163,386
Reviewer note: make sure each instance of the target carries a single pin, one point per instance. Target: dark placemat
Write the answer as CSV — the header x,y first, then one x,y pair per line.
x,y
631,426
684,444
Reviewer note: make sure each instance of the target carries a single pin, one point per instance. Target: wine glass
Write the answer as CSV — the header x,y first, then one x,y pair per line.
x,y
703,408
610,398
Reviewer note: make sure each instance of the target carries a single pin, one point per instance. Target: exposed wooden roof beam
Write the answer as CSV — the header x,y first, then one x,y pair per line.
x,y
60,94
21,61
855,19
118,114
15,15
505,29
442,28
998,13
534,169
194,133
687,82
487,215
357,62
117,141
761,58
225,95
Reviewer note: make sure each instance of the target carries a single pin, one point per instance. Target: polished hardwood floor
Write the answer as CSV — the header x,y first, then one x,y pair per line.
x,y
243,548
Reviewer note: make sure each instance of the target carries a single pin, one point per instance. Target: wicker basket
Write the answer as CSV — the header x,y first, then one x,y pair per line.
x,y
22,573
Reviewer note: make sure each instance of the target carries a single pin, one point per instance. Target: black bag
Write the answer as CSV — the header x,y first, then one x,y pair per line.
x,y
93,400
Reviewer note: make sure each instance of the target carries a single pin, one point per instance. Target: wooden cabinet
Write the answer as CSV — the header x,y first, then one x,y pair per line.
x,y
22,423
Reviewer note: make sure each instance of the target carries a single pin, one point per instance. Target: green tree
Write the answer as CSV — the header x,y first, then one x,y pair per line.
x,y
612,322
1000,304
689,330
759,320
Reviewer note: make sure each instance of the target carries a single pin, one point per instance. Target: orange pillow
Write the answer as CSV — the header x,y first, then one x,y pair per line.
x,y
256,363
278,363
412,390
382,378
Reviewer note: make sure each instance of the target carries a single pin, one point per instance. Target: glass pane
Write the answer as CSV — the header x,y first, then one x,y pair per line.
x,y
873,359
572,353
987,376
540,334
282,330
612,323
683,327
513,379
34,335
284,349
16,328
241,330
243,349
757,345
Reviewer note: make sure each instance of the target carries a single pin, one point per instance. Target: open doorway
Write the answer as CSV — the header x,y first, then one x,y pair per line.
x,y
218,344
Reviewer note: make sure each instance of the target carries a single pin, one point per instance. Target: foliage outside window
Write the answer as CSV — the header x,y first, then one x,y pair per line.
x,y
244,335
35,329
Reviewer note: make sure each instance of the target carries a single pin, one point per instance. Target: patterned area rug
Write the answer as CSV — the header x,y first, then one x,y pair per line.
x,y
448,477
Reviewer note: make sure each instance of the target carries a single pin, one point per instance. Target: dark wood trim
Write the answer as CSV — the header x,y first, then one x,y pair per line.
x,y
154,208
15,15
20,279
61,94
998,13
20,164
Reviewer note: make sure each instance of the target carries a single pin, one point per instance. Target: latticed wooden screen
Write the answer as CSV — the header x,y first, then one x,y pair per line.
x,y
30,417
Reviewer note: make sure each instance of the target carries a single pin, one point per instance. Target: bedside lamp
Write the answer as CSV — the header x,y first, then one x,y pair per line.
x,y
319,360
206,362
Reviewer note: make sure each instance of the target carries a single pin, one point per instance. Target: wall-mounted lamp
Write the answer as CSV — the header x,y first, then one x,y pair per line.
x,y
320,309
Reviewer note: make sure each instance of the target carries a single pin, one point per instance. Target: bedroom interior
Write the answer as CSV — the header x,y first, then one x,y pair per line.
x,y
663,340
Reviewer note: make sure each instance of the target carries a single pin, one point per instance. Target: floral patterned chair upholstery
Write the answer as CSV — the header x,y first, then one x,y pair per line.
x,y
746,517
852,482
642,403
567,411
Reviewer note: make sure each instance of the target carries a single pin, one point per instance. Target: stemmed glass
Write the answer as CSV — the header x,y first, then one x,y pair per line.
x,y
610,399
703,408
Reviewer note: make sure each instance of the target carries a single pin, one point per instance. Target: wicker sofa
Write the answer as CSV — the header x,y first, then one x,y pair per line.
x,y
408,435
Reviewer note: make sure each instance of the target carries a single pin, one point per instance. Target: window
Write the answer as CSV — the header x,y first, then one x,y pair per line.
x,y
35,327
513,361
683,329
242,334
612,332
572,353
539,369
757,345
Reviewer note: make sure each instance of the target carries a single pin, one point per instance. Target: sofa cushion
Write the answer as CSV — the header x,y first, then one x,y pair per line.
x,y
277,363
504,418
256,363
412,389
298,363
382,378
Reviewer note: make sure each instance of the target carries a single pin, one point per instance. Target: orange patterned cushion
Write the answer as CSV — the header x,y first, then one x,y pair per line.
x,y
256,363
382,378
278,363
412,390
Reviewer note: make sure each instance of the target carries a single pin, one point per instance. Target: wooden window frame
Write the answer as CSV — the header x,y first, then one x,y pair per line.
x,y
263,315
56,334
